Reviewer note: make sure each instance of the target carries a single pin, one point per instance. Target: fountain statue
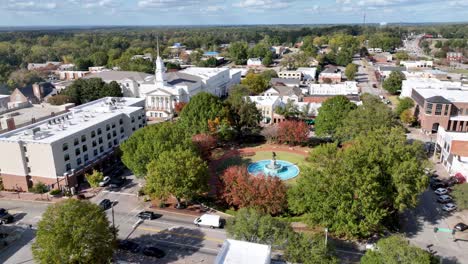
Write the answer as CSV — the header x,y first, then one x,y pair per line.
x,y
273,168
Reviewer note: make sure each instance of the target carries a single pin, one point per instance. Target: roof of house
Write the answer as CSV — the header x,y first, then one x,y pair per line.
x,y
443,96
119,75
437,99
287,90
284,81
236,251
48,89
180,78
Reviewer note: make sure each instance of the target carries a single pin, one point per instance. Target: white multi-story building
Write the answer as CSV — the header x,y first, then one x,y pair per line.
x,y
290,75
59,150
453,147
429,83
417,64
163,91
346,88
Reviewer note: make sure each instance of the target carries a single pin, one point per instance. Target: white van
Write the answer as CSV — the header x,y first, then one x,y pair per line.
x,y
208,220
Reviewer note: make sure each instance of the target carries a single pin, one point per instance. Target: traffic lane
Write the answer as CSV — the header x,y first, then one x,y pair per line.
x,y
25,212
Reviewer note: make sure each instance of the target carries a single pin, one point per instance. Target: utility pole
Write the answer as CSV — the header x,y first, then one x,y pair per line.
x,y
113,221
326,236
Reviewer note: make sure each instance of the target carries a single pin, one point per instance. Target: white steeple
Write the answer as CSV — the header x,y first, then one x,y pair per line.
x,y
160,72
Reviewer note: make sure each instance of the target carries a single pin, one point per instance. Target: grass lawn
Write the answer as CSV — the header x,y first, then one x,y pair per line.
x,y
263,155
460,195
462,71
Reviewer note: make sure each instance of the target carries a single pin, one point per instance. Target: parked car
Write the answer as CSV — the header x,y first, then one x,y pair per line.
x,y
441,191
153,252
461,227
147,215
437,185
208,220
117,182
5,217
444,199
449,207
129,246
104,181
105,204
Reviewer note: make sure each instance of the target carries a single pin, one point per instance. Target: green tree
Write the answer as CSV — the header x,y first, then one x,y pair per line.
x,y
146,144
99,58
73,232
244,115
59,99
350,71
369,116
394,82
85,90
180,173
407,117
238,52
289,110
268,59
256,83
201,108
404,104
402,55
39,188
308,46
22,78
331,114
94,178
397,250
307,249
83,64
252,226
344,57
358,190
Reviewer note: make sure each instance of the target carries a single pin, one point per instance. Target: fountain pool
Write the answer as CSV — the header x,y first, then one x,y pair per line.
x,y
285,170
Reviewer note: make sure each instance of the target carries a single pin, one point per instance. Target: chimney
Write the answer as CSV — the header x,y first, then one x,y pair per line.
x,y
38,91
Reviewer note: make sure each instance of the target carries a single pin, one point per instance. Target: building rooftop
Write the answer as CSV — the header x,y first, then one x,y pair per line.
x,y
284,81
237,252
119,75
433,83
392,68
264,100
204,73
79,118
443,96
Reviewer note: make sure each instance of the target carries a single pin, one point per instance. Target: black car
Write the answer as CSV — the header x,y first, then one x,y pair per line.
x,y
437,185
105,204
147,215
5,217
129,246
153,252
461,227
117,182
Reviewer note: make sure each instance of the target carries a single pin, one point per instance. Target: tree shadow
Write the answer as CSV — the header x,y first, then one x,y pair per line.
x,y
449,260
178,243
428,211
18,237
19,216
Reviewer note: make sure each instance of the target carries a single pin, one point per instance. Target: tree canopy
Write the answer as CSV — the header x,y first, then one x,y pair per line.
x,y
146,144
397,250
394,82
180,173
356,190
201,108
73,231
331,114
350,71
86,90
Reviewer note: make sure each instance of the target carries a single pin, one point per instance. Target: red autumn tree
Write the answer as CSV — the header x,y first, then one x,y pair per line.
x,y
292,132
205,143
240,189
179,106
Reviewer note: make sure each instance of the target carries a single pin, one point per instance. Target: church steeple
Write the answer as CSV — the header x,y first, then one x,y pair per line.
x,y
160,72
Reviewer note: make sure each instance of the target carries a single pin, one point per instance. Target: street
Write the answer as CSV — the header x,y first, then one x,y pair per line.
x,y
172,232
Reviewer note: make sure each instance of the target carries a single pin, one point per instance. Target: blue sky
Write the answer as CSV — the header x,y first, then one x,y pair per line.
x,y
203,12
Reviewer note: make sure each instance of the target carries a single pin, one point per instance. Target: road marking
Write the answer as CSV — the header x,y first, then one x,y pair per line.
x,y
172,224
181,235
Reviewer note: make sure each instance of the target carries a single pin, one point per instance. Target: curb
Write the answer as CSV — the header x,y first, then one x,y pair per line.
x,y
22,200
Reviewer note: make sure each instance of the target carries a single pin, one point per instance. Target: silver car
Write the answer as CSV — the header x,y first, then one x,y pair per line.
x,y
444,199
449,207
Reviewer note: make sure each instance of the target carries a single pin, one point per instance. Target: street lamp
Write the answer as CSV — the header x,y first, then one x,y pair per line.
x,y
326,236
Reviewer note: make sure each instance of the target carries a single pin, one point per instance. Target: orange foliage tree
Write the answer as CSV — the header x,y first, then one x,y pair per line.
x,y
265,193
205,143
292,132
179,106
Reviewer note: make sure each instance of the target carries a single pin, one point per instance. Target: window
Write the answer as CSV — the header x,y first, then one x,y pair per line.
x,y
66,157
133,119
85,148
27,159
93,133
466,111
99,131
100,140
438,110
83,138
101,149
133,128
78,161
122,130
65,146
115,142
114,133
428,108
86,157
460,112
139,117
107,127
108,135
67,167
95,152
77,151
446,109
94,143
76,142
120,121
122,136
29,169
109,144
113,125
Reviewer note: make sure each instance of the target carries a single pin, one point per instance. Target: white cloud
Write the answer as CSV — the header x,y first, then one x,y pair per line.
x,y
215,8
167,3
264,4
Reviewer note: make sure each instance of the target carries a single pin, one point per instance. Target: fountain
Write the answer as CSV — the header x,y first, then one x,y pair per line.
x,y
283,169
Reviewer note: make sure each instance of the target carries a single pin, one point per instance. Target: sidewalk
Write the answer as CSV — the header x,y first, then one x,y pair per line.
x,y
24,196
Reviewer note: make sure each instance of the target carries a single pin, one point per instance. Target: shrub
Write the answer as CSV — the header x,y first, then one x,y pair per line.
x,y
55,192
293,132
94,178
